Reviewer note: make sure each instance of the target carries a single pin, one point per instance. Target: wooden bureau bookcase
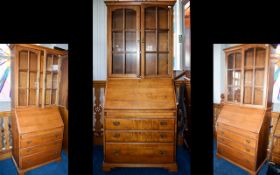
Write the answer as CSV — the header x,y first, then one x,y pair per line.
x,y
244,120
37,126
140,106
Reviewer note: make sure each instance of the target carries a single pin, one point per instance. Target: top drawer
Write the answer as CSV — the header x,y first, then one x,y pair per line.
x,y
140,124
34,139
233,136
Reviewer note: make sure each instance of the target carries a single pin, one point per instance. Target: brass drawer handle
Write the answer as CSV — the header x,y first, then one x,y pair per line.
x,y
116,123
247,149
163,135
116,152
162,153
163,122
116,135
28,150
29,141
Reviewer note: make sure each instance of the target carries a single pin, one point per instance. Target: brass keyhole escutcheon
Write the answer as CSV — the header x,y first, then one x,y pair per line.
x,y
163,122
117,135
116,123
248,141
116,152
163,135
162,152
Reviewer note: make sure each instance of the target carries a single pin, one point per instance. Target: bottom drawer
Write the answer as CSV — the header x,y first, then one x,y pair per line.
x,y
275,159
39,158
139,153
238,157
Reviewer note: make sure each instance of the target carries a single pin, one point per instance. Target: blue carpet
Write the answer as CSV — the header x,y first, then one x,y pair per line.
x,y
7,167
183,160
223,167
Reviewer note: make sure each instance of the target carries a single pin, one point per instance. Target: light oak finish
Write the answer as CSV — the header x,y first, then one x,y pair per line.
x,y
275,153
37,136
140,104
244,119
140,129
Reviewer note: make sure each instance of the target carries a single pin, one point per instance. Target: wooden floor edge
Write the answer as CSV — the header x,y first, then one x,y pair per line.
x,y
221,156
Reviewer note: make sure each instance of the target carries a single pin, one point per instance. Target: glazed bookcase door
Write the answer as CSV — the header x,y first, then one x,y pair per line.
x,y
124,41
254,75
52,79
246,75
156,39
234,62
28,68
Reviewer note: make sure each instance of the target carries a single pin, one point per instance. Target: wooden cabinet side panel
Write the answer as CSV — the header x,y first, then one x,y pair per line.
x,y
15,135
263,139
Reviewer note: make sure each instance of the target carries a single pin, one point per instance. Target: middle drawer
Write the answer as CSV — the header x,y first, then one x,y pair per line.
x,y
140,124
141,136
56,145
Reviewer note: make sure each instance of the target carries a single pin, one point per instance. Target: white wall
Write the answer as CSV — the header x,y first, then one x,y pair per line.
x,y
99,40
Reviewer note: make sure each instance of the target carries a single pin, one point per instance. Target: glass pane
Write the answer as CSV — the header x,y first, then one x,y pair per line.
x,y
117,41
118,64
48,80
41,63
117,20
130,41
238,60
131,63
55,60
163,18
151,64
150,18
247,95
49,62
53,96
23,60
22,101
249,56
248,78
32,97
54,81
163,41
237,94
259,77
33,62
230,94
258,96
32,80
230,77
236,78
130,19
230,61
48,97
40,96
260,57
151,43
22,79
163,64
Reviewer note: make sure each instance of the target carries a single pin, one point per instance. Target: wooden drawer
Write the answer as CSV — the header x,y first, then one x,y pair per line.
x,y
142,136
139,153
238,157
53,146
275,158
238,131
235,137
276,145
39,158
140,124
30,140
235,145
